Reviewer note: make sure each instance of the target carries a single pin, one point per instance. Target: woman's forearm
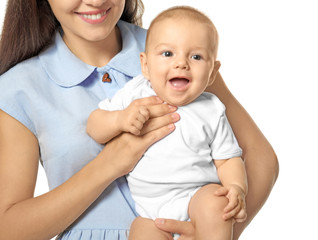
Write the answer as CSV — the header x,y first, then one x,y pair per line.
x,y
24,217
49,214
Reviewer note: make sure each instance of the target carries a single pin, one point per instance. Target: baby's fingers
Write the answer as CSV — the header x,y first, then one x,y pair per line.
x,y
233,203
232,213
222,191
143,115
241,216
232,208
134,130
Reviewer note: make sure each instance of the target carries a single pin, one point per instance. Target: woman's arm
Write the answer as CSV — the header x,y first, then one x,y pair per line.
x,y
260,160
103,125
25,217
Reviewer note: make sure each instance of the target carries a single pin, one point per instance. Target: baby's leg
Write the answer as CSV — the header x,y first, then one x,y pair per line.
x,y
145,229
206,211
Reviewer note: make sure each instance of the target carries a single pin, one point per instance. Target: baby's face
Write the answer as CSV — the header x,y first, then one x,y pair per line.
x,y
179,60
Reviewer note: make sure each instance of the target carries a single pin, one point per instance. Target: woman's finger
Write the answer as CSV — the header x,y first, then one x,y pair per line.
x,y
147,101
155,135
159,110
185,229
156,123
127,144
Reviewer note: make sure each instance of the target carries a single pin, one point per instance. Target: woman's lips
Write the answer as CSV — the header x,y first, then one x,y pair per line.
x,y
93,17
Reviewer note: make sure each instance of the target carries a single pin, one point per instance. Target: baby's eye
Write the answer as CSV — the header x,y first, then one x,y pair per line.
x,y
167,54
196,57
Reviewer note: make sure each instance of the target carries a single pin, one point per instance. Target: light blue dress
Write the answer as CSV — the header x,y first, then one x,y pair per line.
x,y
53,94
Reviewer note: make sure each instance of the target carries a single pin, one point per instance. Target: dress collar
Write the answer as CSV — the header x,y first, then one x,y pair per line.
x,y
67,70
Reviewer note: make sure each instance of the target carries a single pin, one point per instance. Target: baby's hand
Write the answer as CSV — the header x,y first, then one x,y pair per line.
x,y
133,118
236,208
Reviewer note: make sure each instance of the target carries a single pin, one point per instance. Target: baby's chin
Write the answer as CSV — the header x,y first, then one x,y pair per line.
x,y
177,102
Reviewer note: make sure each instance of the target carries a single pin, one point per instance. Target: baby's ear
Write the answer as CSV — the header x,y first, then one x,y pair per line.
x,y
215,71
144,65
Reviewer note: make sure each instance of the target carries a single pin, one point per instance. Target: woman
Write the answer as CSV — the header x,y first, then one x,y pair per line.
x,y
54,75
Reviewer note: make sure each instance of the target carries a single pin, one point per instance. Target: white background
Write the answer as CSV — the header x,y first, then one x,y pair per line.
x,y
269,55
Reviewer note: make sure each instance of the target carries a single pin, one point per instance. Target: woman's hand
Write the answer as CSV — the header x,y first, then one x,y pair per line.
x,y
160,114
134,118
125,150
184,229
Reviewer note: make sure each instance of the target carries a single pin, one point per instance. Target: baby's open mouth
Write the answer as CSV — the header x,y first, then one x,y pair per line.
x,y
179,83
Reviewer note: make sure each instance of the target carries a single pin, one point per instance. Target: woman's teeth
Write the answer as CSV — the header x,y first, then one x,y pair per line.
x,y
94,16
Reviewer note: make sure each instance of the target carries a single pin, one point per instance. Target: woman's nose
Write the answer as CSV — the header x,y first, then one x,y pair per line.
x,y
95,3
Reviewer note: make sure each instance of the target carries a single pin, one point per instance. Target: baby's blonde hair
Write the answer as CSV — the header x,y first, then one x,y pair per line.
x,y
186,12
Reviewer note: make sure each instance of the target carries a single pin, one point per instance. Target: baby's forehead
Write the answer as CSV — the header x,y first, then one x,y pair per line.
x,y
184,19
166,25
185,14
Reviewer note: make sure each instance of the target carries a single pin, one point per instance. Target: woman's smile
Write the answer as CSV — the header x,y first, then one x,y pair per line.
x,y
94,17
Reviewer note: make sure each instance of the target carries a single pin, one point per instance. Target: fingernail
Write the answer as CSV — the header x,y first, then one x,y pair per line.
x,y
171,126
175,116
172,107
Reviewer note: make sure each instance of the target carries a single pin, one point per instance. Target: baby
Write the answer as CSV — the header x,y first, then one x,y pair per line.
x,y
196,173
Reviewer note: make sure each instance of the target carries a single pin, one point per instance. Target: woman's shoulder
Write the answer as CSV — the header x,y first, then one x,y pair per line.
x,y
137,31
23,72
19,85
133,27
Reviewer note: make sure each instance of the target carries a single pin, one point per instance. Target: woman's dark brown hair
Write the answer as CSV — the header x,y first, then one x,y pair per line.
x,y
29,27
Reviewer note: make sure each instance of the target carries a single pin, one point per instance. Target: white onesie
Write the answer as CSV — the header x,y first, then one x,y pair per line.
x,y
173,169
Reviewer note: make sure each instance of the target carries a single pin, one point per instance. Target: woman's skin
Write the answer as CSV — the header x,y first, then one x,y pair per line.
x,y
24,216
93,42
260,159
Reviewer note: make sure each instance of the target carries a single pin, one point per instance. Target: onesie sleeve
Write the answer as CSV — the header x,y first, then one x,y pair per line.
x,y
117,102
123,97
224,144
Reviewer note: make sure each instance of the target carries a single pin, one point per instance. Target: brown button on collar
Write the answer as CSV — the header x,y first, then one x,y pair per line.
x,y
106,78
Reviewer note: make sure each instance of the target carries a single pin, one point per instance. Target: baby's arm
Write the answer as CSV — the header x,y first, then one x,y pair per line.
x,y
233,177
103,125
